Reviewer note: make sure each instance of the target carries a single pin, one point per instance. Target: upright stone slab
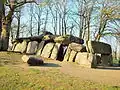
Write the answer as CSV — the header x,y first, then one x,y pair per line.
x,y
77,47
18,48
40,47
32,47
14,45
61,53
23,46
99,47
86,59
67,54
106,60
55,51
47,50
72,56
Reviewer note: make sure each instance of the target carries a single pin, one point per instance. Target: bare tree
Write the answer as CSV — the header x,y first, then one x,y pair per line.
x,y
46,19
7,20
1,6
83,14
31,19
18,17
110,11
39,14
55,18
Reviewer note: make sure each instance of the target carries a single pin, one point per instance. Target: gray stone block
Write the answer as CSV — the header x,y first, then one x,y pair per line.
x,y
47,50
77,47
40,47
55,51
67,54
106,60
32,47
86,59
72,56
99,47
32,61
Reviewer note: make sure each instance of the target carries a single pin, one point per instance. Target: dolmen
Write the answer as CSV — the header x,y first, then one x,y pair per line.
x,y
98,53
104,50
64,48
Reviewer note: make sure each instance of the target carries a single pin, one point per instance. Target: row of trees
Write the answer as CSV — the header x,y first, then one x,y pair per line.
x,y
88,19
8,8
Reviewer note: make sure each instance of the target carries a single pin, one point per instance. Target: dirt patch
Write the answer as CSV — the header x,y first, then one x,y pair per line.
x,y
109,75
102,76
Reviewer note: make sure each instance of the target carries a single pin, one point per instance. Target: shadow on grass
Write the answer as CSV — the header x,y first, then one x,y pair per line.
x,y
108,68
47,65
50,65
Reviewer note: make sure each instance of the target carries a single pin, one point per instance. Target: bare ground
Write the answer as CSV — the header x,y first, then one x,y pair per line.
x,y
109,75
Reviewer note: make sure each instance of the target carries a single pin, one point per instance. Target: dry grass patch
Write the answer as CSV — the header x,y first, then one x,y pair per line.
x,y
14,77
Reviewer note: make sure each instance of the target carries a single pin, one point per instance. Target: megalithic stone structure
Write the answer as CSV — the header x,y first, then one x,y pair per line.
x,y
66,48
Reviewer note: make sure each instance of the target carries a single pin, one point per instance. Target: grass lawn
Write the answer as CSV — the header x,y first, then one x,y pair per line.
x,y
14,77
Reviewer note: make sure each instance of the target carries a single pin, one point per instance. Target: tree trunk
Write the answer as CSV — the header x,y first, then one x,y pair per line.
x,y
101,30
46,20
59,24
56,22
65,27
31,20
62,26
39,19
0,23
1,12
5,37
6,26
38,27
81,17
18,28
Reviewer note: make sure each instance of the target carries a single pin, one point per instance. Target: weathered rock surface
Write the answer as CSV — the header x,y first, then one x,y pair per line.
x,y
47,50
18,48
55,51
72,56
25,58
23,46
67,54
99,47
13,46
77,47
34,38
40,47
68,39
32,47
86,59
106,60
9,48
32,61
49,37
